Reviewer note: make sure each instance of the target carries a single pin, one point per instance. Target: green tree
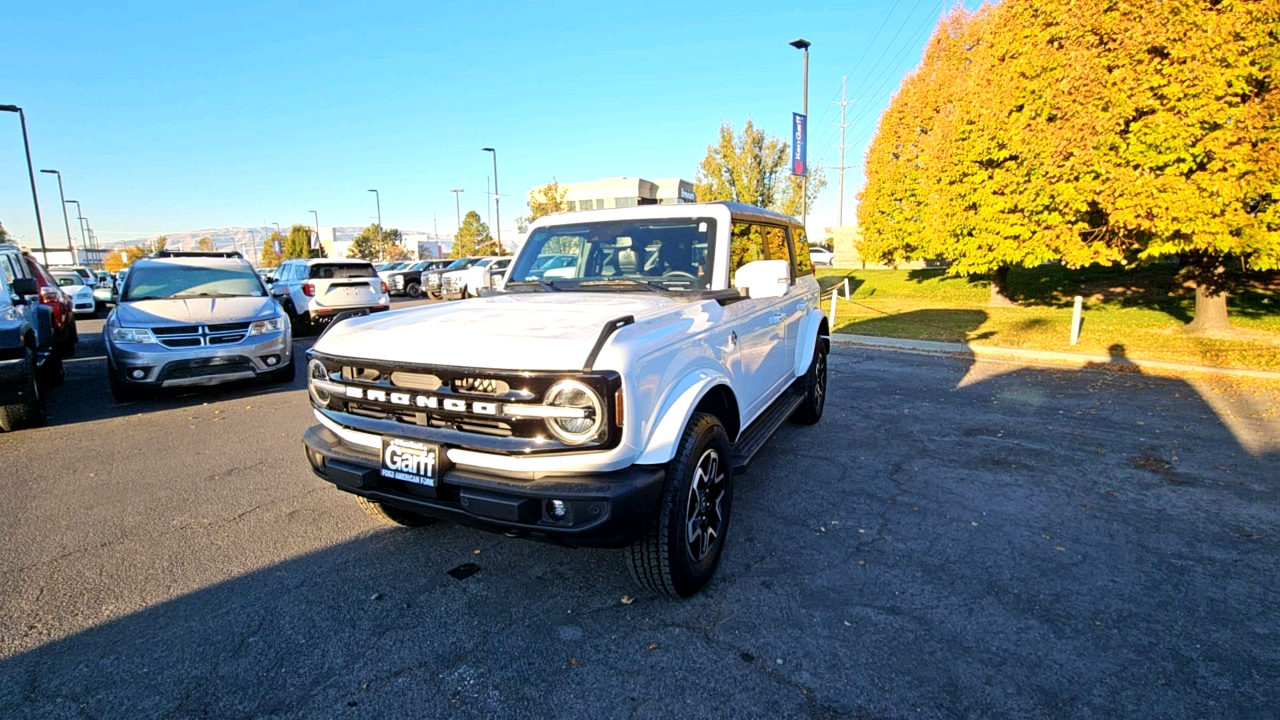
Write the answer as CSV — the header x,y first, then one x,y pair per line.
x,y
158,245
268,258
754,168
471,237
298,243
376,244
4,235
206,244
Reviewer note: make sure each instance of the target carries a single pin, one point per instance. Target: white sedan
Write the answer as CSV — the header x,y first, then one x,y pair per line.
x,y
821,256
82,302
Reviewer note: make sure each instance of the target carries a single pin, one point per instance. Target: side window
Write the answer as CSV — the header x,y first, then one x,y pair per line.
x,y
746,244
10,271
750,242
801,265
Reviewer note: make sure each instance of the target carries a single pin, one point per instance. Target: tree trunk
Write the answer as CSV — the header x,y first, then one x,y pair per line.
x,y
1211,311
1000,287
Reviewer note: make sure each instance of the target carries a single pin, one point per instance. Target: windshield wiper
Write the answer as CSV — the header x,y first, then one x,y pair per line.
x,y
549,287
647,284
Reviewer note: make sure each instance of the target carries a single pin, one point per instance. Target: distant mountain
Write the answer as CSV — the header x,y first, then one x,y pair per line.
x,y
234,238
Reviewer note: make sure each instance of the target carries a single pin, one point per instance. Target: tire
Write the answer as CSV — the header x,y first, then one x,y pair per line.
x,y
284,375
434,295
464,294
390,515
29,410
413,290
121,391
301,324
698,491
815,386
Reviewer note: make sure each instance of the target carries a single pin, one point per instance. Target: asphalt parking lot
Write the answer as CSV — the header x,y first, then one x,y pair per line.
x,y
952,540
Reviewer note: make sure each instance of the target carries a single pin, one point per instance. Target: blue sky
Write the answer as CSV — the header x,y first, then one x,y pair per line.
x,y
166,117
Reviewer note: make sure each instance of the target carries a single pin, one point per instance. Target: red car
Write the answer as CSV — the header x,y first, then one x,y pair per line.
x,y
65,335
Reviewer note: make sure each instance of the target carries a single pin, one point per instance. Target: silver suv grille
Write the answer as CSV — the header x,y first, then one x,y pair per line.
x,y
185,336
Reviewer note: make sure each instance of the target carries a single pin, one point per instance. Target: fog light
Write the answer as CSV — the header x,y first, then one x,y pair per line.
x,y
138,374
556,509
273,360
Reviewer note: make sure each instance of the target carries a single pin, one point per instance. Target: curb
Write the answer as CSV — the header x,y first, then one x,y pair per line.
x,y
1078,360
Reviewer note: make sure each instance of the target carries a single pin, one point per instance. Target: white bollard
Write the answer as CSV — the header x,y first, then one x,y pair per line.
x,y
846,288
831,314
1075,320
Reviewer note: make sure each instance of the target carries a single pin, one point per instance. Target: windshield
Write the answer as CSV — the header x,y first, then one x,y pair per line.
x,y
670,254
67,279
169,280
457,264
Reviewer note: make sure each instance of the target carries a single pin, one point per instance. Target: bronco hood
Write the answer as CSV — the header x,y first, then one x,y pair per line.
x,y
533,331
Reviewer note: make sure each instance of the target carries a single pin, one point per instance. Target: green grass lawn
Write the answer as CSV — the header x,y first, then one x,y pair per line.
x,y
1143,311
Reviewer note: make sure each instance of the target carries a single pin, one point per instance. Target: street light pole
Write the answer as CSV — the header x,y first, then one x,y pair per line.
x,y
378,199
802,44
31,173
65,222
497,215
316,215
84,242
457,204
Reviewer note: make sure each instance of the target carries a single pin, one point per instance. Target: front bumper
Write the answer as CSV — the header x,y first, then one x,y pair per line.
x,y
205,365
607,509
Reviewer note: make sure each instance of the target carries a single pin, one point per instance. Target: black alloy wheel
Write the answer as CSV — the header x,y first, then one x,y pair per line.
x,y
814,384
680,548
413,290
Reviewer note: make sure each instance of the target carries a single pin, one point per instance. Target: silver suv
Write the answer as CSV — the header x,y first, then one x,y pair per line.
x,y
195,319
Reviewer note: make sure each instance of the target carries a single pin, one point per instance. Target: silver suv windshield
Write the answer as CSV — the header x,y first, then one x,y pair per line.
x,y
171,280
672,254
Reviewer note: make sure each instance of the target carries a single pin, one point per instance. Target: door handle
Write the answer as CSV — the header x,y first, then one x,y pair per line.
x,y
800,306
776,318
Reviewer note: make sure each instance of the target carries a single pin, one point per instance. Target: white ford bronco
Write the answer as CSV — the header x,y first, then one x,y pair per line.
x,y
605,401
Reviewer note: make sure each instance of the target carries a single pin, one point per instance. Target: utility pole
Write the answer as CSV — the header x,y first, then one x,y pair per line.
x,y
488,205
844,106
84,242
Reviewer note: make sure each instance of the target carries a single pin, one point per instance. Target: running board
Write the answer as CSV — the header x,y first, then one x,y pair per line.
x,y
758,433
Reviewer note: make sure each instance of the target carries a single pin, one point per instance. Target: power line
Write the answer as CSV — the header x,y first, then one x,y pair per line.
x,y
865,48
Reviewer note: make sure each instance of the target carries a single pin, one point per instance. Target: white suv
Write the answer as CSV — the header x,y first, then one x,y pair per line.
x,y
603,400
26,332
314,291
478,274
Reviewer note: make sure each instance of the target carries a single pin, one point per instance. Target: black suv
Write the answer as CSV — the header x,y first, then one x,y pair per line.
x,y
409,280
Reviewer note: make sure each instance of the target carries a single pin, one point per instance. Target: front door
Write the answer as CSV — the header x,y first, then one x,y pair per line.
x,y
762,367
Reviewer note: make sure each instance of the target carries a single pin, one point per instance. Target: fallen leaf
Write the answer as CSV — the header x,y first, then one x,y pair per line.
x,y
653,646
477,551
1059,548
627,599
573,662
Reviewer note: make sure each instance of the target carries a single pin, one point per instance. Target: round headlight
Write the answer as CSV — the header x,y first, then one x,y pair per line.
x,y
575,430
317,371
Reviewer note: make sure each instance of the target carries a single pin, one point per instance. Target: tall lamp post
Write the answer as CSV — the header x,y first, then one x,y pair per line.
x,y
65,222
802,44
457,204
84,241
31,174
497,216
378,199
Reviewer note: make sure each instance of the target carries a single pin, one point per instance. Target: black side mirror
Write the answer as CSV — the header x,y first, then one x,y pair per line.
x,y
22,287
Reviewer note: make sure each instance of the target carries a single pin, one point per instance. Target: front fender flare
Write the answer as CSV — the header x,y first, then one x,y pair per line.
x,y
676,411
810,327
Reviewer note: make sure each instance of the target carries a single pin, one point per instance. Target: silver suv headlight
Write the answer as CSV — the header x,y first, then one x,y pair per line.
x,y
262,327
132,335
576,395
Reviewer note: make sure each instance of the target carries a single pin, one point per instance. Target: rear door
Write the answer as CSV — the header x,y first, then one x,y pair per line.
x,y
345,284
762,367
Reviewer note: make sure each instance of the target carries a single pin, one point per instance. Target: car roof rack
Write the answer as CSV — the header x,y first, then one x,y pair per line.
x,y
194,254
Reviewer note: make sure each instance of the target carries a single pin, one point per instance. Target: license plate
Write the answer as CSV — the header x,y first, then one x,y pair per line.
x,y
410,461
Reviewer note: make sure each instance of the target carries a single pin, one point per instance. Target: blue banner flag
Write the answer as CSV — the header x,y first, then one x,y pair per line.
x,y
799,143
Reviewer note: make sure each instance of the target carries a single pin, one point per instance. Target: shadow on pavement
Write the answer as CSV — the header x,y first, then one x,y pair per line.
x,y
980,542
